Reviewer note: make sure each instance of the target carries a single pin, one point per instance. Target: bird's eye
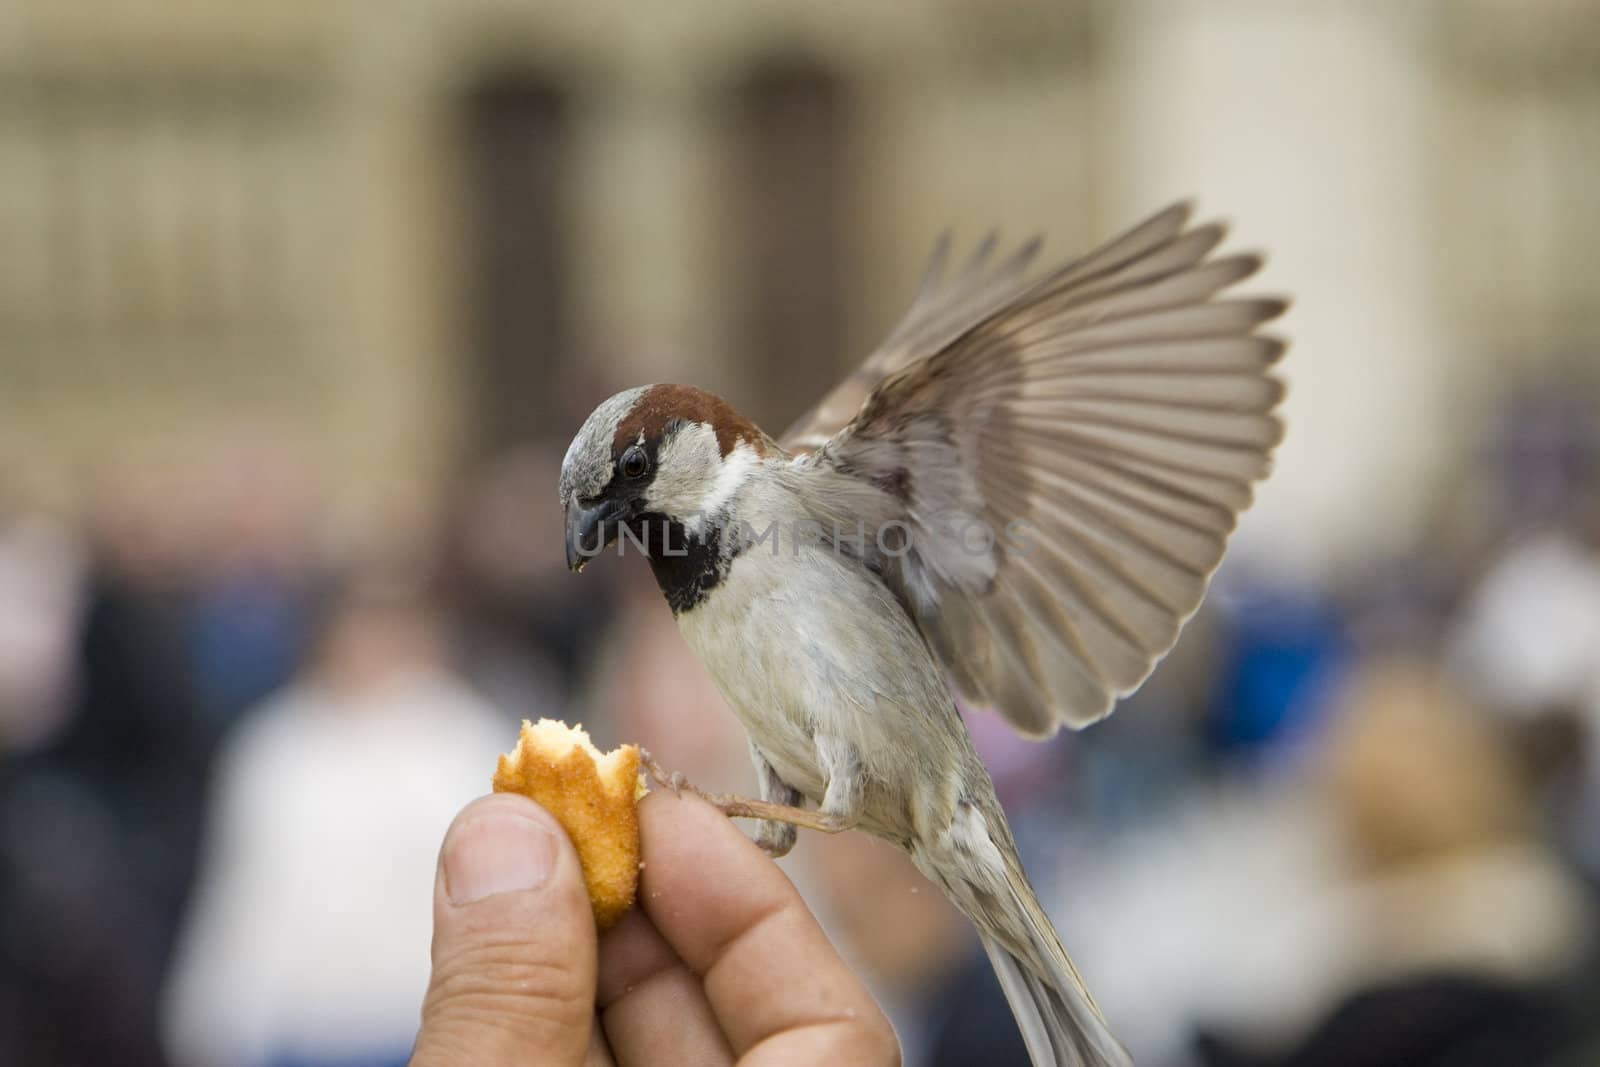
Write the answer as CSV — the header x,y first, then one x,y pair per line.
x,y
634,463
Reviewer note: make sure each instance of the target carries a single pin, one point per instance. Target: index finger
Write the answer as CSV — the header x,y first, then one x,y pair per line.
x,y
779,990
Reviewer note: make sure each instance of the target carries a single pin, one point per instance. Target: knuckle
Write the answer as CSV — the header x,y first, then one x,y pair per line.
x,y
863,1041
502,983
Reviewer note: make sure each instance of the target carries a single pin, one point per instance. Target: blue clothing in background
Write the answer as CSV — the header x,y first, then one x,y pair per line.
x,y
1282,653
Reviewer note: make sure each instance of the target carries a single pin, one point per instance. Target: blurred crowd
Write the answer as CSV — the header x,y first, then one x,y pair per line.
x,y
1348,822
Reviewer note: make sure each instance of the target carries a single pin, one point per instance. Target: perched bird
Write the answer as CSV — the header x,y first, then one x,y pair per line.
x,y
1020,495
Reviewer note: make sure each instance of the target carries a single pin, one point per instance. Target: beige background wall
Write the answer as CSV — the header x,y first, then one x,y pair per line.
x,y
287,253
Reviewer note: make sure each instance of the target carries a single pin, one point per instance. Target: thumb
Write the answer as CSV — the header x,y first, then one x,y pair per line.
x,y
513,943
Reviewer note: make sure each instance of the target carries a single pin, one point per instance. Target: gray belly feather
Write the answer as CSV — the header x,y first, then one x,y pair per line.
x,y
813,646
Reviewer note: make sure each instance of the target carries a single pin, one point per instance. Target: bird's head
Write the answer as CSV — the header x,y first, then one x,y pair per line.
x,y
667,452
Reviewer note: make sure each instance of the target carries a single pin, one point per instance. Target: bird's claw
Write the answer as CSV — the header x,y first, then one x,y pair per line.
x,y
673,780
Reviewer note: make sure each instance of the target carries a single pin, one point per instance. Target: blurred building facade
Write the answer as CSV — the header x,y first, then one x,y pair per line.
x,y
407,234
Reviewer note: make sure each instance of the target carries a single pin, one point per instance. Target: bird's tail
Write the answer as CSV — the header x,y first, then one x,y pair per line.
x,y
1060,1022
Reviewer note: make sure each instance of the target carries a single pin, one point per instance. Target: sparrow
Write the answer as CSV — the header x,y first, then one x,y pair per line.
x,y
1018,498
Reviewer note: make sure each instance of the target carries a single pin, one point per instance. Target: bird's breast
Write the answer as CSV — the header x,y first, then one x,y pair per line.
x,y
805,643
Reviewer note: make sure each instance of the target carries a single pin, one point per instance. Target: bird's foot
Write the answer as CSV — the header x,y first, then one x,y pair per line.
x,y
737,807
673,780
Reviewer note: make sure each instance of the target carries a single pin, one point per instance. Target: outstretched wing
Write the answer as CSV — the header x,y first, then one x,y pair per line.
x,y
946,305
1068,456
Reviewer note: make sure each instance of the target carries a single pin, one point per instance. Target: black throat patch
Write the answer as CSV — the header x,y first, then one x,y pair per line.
x,y
687,566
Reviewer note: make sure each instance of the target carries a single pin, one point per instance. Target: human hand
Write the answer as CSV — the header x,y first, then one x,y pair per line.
x,y
720,962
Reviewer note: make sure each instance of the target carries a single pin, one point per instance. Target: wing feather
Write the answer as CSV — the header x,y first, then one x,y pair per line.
x,y
943,307
1104,422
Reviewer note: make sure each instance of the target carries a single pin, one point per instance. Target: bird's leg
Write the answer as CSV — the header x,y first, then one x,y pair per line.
x,y
776,838
846,794
737,807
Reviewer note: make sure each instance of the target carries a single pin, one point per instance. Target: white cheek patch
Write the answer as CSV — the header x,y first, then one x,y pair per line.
x,y
731,473
684,466
693,479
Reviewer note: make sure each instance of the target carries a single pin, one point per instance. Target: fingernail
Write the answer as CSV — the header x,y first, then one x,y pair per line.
x,y
497,852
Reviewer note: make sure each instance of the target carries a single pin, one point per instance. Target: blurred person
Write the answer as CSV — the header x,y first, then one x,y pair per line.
x,y
1443,835
1528,623
251,604
42,572
306,941
1463,924
1525,634
1528,637
84,933
1214,912
107,798
1395,848
135,729
1527,641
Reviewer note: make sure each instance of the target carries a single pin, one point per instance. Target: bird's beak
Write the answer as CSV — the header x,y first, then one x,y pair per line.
x,y
589,530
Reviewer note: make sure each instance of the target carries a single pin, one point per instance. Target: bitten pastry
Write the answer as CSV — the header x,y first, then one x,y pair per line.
x,y
593,796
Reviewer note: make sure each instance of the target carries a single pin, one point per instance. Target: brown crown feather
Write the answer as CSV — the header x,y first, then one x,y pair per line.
x,y
660,405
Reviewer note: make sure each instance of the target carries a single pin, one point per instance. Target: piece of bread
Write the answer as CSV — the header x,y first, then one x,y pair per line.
x,y
593,796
